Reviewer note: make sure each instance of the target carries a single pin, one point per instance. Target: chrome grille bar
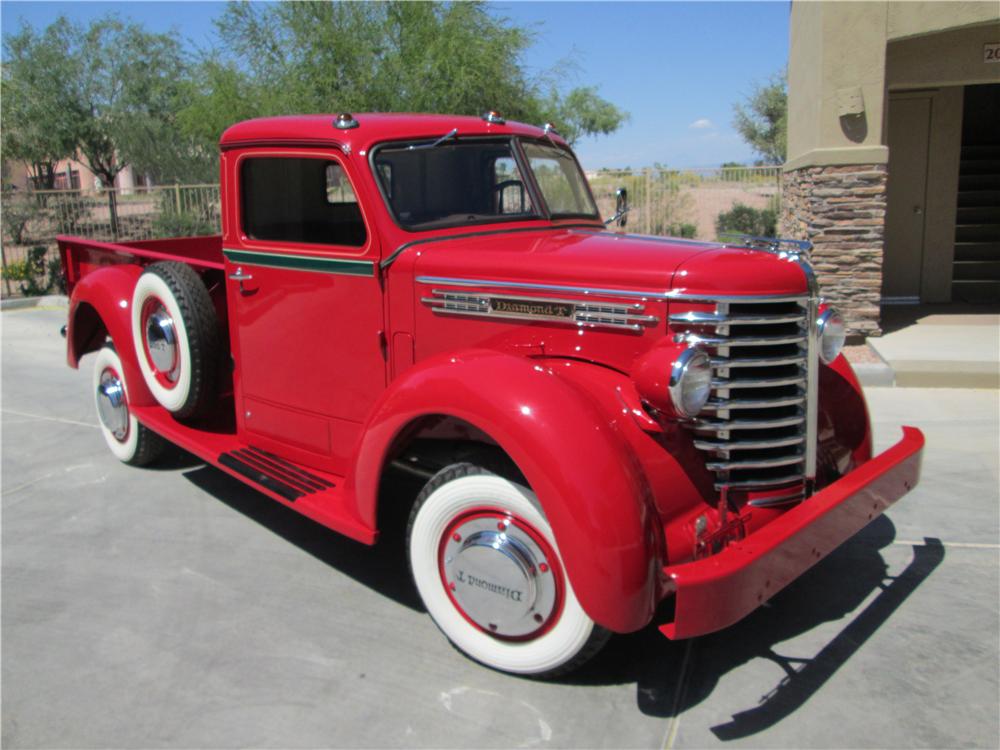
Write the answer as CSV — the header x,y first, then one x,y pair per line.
x,y
725,425
761,463
725,404
759,484
758,382
714,319
799,359
719,446
730,341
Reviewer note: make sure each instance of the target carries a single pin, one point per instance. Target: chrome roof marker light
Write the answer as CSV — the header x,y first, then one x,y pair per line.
x,y
345,121
494,118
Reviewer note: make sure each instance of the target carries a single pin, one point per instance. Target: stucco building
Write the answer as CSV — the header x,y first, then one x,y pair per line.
x,y
72,174
893,167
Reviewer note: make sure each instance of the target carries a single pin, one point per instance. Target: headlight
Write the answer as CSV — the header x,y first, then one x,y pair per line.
x,y
674,379
832,334
690,382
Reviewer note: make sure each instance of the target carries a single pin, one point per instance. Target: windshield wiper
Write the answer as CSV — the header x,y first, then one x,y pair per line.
x,y
451,134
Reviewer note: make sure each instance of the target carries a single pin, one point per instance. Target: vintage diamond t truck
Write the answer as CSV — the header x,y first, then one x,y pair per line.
x,y
605,421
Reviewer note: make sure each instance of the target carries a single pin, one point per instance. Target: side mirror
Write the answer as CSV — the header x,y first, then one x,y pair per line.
x,y
621,206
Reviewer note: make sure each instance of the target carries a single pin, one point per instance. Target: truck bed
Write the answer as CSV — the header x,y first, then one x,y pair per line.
x,y
81,255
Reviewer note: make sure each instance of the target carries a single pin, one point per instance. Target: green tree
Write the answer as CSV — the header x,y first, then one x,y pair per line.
x,y
129,86
108,93
285,58
762,119
34,128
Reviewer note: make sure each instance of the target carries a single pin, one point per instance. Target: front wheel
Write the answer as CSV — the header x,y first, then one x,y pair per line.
x,y
485,563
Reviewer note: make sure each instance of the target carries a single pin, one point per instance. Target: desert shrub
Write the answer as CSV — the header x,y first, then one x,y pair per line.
x,y
16,270
190,221
182,224
682,229
743,219
37,273
57,279
37,280
18,210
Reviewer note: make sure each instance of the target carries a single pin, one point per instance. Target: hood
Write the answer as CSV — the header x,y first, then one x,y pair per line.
x,y
570,257
736,270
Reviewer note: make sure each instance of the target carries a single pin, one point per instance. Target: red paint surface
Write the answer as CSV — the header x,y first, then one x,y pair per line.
x,y
331,371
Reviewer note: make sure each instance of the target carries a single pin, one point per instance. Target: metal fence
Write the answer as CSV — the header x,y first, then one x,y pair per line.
x,y
688,202
685,203
32,219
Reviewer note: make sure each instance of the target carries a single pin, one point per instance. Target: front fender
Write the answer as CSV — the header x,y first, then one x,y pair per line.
x,y
589,484
843,413
107,292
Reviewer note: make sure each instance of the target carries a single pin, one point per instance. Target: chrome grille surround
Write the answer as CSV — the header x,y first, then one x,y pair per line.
x,y
759,425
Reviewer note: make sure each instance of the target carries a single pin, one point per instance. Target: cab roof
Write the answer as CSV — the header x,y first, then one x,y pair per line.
x,y
372,128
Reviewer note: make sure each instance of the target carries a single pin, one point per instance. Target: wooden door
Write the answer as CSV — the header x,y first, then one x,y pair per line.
x,y
908,138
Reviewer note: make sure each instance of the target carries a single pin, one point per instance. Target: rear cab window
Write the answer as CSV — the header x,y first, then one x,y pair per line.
x,y
299,200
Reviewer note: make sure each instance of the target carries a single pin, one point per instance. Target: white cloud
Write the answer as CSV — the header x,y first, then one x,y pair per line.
x,y
702,124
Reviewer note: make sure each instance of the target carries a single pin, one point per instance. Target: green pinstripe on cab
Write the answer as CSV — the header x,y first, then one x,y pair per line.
x,y
302,262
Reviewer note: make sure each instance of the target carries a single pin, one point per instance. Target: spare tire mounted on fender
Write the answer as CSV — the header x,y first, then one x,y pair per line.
x,y
175,332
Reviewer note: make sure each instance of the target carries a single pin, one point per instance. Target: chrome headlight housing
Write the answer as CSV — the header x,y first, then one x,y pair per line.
x,y
831,333
690,382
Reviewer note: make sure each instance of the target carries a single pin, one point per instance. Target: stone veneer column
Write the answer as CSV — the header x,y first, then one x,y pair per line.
x,y
841,210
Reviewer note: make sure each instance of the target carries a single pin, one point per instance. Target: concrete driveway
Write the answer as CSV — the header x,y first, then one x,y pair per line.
x,y
176,608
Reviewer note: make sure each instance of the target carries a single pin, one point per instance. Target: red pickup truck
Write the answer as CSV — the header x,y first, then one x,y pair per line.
x,y
604,421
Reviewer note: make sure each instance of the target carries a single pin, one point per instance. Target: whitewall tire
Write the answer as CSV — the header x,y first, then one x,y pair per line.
x,y
128,440
175,334
486,566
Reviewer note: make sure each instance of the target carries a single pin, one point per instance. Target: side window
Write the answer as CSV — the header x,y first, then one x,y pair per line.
x,y
300,200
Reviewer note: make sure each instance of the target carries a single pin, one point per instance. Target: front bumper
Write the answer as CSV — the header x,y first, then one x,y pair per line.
x,y
720,590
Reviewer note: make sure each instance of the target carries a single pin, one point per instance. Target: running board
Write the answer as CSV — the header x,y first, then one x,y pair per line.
x,y
319,495
274,473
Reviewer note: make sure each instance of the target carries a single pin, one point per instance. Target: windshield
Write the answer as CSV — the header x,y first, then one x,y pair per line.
x,y
449,184
563,186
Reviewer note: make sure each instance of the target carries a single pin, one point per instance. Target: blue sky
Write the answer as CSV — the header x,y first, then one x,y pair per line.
x,y
676,67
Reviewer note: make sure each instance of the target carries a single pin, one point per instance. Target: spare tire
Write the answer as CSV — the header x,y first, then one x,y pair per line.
x,y
176,335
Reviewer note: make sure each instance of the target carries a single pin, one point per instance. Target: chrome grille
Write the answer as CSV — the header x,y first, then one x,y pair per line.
x,y
755,427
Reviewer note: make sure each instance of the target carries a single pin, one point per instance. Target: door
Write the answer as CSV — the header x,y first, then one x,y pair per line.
x,y
908,138
306,306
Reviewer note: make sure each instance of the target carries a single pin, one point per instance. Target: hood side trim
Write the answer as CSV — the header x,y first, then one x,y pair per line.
x,y
665,295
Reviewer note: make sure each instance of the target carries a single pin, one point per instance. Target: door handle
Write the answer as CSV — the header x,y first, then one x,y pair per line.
x,y
240,277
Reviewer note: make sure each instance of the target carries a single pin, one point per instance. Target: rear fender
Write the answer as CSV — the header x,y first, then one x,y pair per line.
x,y
589,484
104,297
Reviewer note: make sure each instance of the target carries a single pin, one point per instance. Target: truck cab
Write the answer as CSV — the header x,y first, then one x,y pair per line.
x,y
601,421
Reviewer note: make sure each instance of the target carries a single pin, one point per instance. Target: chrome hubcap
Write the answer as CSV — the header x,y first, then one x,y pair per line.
x,y
161,340
111,407
499,574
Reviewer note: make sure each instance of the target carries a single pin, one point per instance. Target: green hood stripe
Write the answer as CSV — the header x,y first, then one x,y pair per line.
x,y
302,262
